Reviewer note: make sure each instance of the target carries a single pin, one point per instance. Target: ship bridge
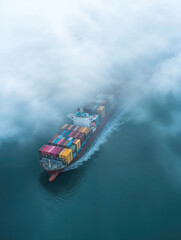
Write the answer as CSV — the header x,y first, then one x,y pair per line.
x,y
84,120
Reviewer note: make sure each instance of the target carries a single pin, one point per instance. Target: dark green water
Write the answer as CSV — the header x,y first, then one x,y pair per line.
x,y
129,189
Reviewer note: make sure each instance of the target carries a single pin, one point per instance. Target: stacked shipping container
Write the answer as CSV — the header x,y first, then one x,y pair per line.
x,y
65,145
103,101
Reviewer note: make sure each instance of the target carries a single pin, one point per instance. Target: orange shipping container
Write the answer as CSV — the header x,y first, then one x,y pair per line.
x,y
67,156
70,127
62,152
64,126
84,130
77,144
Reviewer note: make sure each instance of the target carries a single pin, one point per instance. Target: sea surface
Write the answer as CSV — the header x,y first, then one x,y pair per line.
x,y
127,186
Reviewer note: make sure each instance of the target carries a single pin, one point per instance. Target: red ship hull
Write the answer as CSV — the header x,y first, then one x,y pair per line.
x,y
54,174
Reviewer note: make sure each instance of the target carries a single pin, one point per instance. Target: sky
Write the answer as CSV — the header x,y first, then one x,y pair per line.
x,y
56,54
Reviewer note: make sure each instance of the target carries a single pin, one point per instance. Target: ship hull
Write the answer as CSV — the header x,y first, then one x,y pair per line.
x,y
55,173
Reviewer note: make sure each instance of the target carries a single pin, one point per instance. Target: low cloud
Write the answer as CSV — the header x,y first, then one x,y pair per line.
x,y
55,55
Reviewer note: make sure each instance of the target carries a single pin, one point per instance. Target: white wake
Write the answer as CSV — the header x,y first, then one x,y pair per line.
x,y
101,139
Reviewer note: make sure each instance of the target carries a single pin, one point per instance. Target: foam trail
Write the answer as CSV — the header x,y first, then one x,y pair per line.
x,y
113,125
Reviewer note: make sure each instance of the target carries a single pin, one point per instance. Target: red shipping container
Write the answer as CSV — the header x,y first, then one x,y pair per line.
x,y
59,142
40,150
54,151
50,150
70,135
52,147
47,149
76,135
60,149
44,150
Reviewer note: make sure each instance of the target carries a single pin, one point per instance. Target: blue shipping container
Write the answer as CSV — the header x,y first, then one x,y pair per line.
x,y
69,143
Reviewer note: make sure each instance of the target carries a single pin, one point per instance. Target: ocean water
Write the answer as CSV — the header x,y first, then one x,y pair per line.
x,y
127,186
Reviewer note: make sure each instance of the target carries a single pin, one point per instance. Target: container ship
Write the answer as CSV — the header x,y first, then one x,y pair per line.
x,y
73,140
